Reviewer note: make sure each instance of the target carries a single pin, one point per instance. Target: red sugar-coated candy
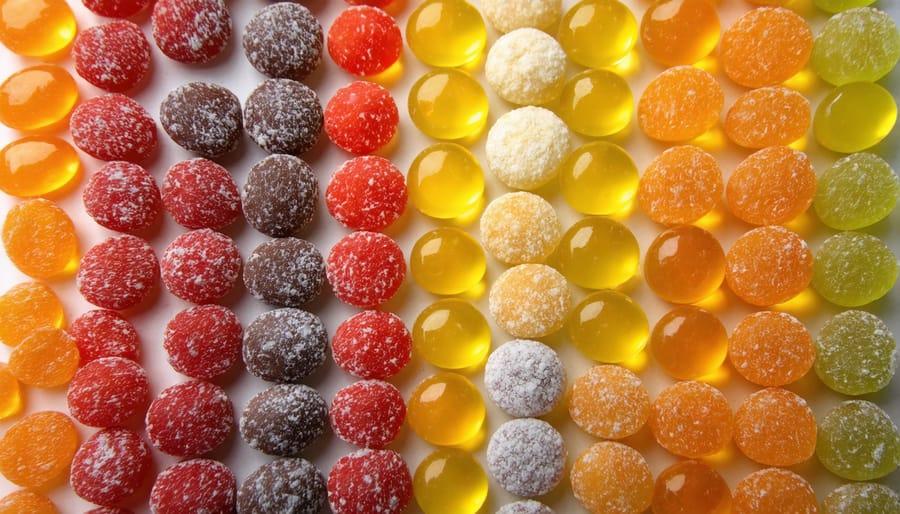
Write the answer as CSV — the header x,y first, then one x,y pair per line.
x,y
103,333
365,269
190,419
197,485
201,194
110,466
372,344
109,510
113,128
369,481
366,193
106,392
364,40
191,31
368,413
116,8
201,265
361,117
118,273
114,56
122,196
373,3
203,342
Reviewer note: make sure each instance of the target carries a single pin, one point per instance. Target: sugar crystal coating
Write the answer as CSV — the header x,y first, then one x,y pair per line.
x,y
194,485
283,116
767,116
771,186
520,227
609,402
861,44
189,419
191,31
525,507
122,196
530,300
284,419
202,117
691,419
526,67
39,238
280,195
38,448
104,333
855,353
526,146
768,265
507,15
368,413
284,40
285,345
113,128
110,466
201,265
681,103
118,273
372,344
765,46
199,193
25,307
610,477
364,40
366,193
854,268
524,378
771,348
114,56
680,185
294,485
203,341
24,500
369,481
861,498
107,392
774,490
856,191
858,441
361,117
365,269
775,427
690,486
526,456
286,271
116,8
48,357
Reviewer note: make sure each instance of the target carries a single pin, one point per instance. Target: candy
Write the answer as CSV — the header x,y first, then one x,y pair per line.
x,y
856,191
39,238
110,466
283,485
767,116
861,498
447,261
526,67
680,185
38,448
366,193
107,392
202,117
857,45
775,427
771,186
771,348
445,181
445,409
689,342
361,118
189,419
853,269
283,116
191,32
596,103
524,378
768,265
452,334
855,353
10,393
203,341
24,500
285,345
118,273
287,271
372,344
109,510
116,8
526,146
858,441
773,490
609,402
690,486
39,29
525,507
608,326
611,477
369,481
114,56
368,413
526,457
598,178
684,264
113,128
364,40
448,104
835,6
201,265
681,103
196,485
854,117
691,419
26,307
598,253
765,46
450,481
104,333
122,196
280,196
37,165
446,33
520,227
46,358
529,300
677,32
37,97
284,40
509,15
597,33
365,269
284,419
199,193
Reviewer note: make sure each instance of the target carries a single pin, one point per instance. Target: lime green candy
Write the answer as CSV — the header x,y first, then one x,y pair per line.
x,y
854,117
834,6
856,191
856,353
858,441
861,498
860,44
853,269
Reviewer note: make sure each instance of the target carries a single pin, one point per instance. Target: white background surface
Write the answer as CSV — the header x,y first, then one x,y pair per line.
x,y
233,71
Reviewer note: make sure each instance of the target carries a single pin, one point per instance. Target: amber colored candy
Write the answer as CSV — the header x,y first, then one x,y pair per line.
x,y
775,427
768,116
40,238
768,265
36,28
47,358
609,402
680,185
37,165
37,97
771,186
612,478
689,342
771,348
23,500
691,419
681,103
25,307
10,393
773,491
38,448
690,487
680,31
684,264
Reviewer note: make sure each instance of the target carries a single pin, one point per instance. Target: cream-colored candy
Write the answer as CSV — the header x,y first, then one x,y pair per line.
x,y
517,228
509,15
530,300
526,146
526,67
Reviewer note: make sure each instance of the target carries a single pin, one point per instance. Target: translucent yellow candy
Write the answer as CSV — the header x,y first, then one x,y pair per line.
x,y
448,104
854,117
450,481
597,33
598,253
447,261
445,181
596,103
445,409
452,334
608,326
446,33
599,178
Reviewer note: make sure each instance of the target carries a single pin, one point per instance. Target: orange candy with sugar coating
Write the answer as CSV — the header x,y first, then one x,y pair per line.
x,y
774,491
24,500
40,238
691,419
609,402
775,427
47,358
610,477
771,348
768,265
38,448
681,103
768,116
680,186
771,186
25,307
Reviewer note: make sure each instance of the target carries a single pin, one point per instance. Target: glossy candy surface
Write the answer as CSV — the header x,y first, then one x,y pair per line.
x,y
37,97
684,264
689,342
447,261
598,253
450,481
445,409
37,165
680,31
597,33
596,103
452,334
36,28
608,326
854,117
446,33
445,181
448,104
599,178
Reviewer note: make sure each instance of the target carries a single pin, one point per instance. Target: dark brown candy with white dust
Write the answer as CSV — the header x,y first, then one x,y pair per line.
x,y
284,40
202,117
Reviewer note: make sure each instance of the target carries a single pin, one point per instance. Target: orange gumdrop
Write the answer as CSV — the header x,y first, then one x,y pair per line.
x,y
771,348
691,419
680,31
768,265
37,165
689,342
765,46
771,186
26,307
38,448
773,491
37,97
36,28
691,487
768,116
681,103
775,427
609,402
680,185
10,394
684,264
23,500
611,477
47,358
40,239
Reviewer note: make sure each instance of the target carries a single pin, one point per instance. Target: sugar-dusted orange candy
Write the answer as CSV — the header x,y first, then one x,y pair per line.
x,y
689,342
771,348
23,500
774,491
775,427
771,186
680,31
10,394
37,97
691,419
609,402
612,478
38,448
25,307
680,185
47,358
768,116
40,238
681,103
691,487
684,264
765,46
768,265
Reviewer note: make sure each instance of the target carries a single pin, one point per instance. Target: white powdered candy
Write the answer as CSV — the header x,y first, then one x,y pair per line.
x,y
527,457
526,67
526,146
509,15
524,378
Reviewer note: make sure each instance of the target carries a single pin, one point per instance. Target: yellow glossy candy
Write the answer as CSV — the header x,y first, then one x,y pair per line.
x,y
446,33
608,326
36,28
599,178
450,481
598,253
36,166
448,104
445,409
452,334
447,260
445,181
37,97
596,103
854,117
597,33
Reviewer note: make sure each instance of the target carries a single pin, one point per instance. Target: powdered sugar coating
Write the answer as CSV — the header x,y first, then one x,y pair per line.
x,y
116,8
191,31
691,419
525,507
366,193
524,378
509,15
122,196
858,440
199,193
280,195
771,186
368,413
202,117
204,341
861,498
114,56
361,117
364,40
118,273
611,477
681,103
526,146
530,300
365,269
369,481
771,348
526,457
103,333
372,344
855,353
609,402
775,427
284,419
284,485
773,490
854,268
106,392
856,45
767,116
284,40
195,485
283,116
856,191
109,510
110,466
285,345
526,67
768,265
680,185
520,227
201,265
190,419
286,271
113,128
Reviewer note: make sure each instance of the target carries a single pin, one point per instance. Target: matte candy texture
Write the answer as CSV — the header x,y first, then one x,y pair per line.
x,y
765,46
40,239
113,128
853,269
775,427
191,31
118,273
861,498
680,185
768,116
771,186
691,419
681,103
860,44
26,307
610,477
768,265
609,402
122,196
774,490
38,448
856,191
529,300
366,193
114,56
361,118
771,348
48,357
856,353
369,481
110,466
858,441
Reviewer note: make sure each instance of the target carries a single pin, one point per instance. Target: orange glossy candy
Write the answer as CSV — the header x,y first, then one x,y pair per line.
x,y
691,419
771,186
25,307
680,31
773,491
689,342
47,358
612,478
690,487
36,28
37,97
23,500
765,46
684,264
38,448
768,265
36,166
680,185
771,348
681,103
40,239
10,394
775,427
609,402
768,116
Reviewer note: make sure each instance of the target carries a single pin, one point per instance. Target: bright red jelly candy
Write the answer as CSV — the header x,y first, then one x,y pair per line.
x,y
106,392
196,485
372,344
366,193
190,419
113,128
116,8
118,273
365,269
201,265
369,481
361,117
368,413
110,466
122,196
364,40
114,56
191,31
201,194
103,333
204,341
